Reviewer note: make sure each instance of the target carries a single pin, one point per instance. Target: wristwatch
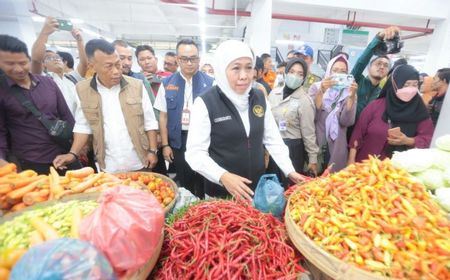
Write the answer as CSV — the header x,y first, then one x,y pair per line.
x,y
155,151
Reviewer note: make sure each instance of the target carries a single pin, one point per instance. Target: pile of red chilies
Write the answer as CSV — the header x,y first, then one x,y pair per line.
x,y
227,240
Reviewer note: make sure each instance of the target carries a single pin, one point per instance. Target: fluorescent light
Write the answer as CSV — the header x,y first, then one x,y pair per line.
x,y
201,8
38,18
289,42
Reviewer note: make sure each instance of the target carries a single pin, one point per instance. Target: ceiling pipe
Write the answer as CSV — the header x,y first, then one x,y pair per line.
x,y
221,12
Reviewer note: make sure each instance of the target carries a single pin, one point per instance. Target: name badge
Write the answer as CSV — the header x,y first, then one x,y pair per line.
x,y
185,117
282,125
222,119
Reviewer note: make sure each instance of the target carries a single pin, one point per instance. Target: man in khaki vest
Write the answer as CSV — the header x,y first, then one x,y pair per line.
x,y
117,112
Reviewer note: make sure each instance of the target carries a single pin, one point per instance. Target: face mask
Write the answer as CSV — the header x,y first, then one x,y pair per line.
x,y
405,94
292,81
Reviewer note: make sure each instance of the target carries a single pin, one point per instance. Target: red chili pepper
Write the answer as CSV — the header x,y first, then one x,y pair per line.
x,y
226,239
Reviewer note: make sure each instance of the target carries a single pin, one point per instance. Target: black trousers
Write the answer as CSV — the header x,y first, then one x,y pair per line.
x,y
188,178
297,154
161,165
44,168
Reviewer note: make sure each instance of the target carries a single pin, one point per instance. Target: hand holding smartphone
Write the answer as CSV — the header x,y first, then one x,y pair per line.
x,y
394,132
64,24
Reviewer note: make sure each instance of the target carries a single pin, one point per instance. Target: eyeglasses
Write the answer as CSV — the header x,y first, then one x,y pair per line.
x,y
381,64
192,59
169,64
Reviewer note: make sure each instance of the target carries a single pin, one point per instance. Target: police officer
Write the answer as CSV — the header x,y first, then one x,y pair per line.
x,y
307,53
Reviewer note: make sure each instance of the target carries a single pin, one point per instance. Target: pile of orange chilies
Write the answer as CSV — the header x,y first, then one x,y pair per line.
x,y
377,217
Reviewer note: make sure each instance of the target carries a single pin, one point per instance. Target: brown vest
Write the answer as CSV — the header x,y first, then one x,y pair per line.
x,y
130,98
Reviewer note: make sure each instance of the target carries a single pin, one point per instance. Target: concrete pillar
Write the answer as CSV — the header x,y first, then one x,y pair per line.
x,y
20,24
258,34
438,54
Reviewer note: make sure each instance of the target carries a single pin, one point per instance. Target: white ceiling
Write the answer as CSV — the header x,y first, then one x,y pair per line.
x,y
155,20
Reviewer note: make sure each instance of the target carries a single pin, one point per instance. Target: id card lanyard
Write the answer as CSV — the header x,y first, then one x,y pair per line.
x,y
282,123
186,114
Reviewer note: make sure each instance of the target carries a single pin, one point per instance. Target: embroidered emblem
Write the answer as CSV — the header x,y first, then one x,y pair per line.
x,y
258,110
171,87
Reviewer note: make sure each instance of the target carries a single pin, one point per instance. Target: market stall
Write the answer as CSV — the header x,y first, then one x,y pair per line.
x,y
372,220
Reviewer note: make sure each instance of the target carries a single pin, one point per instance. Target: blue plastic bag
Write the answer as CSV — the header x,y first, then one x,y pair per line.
x,y
61,259
269,195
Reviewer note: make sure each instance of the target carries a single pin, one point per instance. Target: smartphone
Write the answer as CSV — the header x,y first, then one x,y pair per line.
x,y
342,80
394,131
64,24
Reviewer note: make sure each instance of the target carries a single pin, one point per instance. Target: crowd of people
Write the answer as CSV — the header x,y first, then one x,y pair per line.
x,y
220,124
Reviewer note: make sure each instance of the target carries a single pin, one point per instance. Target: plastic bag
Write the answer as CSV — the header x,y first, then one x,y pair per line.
x,y
63,258
126,227
269,197
185,197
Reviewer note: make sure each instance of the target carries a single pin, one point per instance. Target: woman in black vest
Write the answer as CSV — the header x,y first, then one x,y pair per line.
x,y
230,125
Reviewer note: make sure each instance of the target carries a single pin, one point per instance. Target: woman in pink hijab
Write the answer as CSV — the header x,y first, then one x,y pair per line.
x,y
335,99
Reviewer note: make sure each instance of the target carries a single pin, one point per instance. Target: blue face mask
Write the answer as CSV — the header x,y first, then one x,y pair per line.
x,y
293,81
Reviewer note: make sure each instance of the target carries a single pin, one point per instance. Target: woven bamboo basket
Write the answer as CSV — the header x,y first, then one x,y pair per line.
x,y
172,184
141,274
321,259
146,269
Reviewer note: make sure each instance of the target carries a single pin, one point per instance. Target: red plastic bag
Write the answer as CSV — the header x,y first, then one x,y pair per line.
x,y
126,227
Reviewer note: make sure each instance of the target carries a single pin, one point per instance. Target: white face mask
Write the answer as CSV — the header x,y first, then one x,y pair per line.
x,y
293,81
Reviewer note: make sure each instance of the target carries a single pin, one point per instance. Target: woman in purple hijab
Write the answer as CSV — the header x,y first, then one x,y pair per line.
x,y
335,99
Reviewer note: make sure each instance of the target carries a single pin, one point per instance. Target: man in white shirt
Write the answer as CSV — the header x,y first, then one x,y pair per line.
x,y
117,112
52,64
174,101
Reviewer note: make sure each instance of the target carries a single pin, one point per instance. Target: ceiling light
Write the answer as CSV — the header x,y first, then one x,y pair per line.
x,y
201,8
38,18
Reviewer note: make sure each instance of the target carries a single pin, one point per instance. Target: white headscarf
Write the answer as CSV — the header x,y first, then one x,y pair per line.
x,y
227,52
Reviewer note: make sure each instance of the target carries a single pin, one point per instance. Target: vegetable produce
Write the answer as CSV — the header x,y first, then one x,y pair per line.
x,y
377,217
443,143
443,198
19,190
50,221
432,178
429,166
414,160
160,188
227,240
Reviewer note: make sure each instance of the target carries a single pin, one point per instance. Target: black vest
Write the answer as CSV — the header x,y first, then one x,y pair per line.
x,y
230,147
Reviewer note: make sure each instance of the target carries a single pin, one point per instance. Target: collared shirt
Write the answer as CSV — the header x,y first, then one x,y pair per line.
x,y
309,80
68,90
120,154
297,113
29,139
140,76
160,101
199,139
74,76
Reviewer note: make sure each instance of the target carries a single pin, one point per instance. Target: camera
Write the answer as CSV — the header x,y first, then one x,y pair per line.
x,y
343,80
391,46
